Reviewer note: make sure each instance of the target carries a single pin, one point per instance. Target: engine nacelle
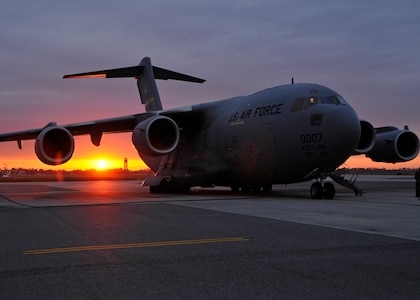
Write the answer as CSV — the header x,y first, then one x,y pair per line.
x,y
54,145
156,136
367,137
394,145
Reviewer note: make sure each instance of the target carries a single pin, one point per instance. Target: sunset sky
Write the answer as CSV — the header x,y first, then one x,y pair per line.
x,y
368,51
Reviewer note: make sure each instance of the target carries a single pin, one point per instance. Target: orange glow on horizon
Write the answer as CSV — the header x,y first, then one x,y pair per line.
x,y
76,164
109,155
105,163
115,147
362,162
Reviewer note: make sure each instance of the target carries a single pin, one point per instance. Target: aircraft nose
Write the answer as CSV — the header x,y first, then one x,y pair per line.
x,y
343,130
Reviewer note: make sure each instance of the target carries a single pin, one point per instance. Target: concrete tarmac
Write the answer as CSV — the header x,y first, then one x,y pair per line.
x,y
113,239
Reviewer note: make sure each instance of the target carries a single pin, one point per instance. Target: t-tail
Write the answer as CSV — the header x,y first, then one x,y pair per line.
x,y
145,75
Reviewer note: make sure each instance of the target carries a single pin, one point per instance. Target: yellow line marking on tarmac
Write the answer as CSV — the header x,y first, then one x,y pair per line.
x,y
136,245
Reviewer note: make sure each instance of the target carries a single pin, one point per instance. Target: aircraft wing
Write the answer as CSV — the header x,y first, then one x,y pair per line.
x,y
110,125
153,133
94,128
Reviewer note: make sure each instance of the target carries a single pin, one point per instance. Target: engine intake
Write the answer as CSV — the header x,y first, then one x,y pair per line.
x,y
156,136
394,145
367,137
54,145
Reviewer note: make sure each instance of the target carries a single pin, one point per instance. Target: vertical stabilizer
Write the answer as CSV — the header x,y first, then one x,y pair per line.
x,y
146,84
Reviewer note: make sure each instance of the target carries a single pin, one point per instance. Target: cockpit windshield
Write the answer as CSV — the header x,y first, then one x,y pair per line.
x,y
329,100
307,102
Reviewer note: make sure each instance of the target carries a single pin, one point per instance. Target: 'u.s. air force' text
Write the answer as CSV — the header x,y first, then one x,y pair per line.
x,y
257,112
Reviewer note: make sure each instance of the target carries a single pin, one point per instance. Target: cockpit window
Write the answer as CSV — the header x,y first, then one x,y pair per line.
x,y
329,100
303,103
307,102
298,104
341,99
310,102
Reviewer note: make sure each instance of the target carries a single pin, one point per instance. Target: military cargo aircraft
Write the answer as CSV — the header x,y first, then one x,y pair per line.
x,y
285,134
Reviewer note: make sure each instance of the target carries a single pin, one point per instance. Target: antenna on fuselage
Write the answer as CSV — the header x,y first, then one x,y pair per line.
x,y
293,80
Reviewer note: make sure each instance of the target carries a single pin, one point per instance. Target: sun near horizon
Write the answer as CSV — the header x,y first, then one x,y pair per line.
x,y
112,152
104,163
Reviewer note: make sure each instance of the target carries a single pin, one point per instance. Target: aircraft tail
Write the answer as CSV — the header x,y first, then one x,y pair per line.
x,y
145,74
146,84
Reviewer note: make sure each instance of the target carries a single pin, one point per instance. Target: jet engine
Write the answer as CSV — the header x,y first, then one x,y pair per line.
x,y
394,145
54,145
367,137
156,136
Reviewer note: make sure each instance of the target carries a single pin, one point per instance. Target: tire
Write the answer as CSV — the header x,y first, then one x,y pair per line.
x,y
317,190
329,190
235,188
156,189
256,189
245,189
267,188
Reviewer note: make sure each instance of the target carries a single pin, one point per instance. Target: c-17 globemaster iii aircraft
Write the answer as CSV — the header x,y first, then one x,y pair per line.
x,y
285,134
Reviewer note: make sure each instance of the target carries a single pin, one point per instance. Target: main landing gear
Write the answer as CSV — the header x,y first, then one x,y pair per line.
x,y
319,190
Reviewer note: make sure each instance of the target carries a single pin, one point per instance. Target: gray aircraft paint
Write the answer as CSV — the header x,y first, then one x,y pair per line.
x,y
285,134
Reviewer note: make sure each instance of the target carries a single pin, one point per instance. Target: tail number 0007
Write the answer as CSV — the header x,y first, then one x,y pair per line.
x,y
311,138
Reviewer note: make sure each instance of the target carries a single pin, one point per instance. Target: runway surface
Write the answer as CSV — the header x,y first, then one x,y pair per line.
x,y
113,239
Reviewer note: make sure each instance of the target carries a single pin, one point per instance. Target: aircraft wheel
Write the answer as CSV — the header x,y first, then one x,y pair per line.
x,y
155,189
329,190
234,188
245,189
267,188
317,190
256,189
183,190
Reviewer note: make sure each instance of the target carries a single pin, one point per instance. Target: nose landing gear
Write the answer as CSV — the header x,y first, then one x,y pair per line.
x,y
319,190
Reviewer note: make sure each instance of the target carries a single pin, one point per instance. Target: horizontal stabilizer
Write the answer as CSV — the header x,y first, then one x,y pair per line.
x,y
111,73
136,72
167,74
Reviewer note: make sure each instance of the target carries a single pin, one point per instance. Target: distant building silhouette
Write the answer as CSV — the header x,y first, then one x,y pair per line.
x,y
125,164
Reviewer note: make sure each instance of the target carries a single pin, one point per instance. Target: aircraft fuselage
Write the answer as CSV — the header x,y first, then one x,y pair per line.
x,y
284,134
